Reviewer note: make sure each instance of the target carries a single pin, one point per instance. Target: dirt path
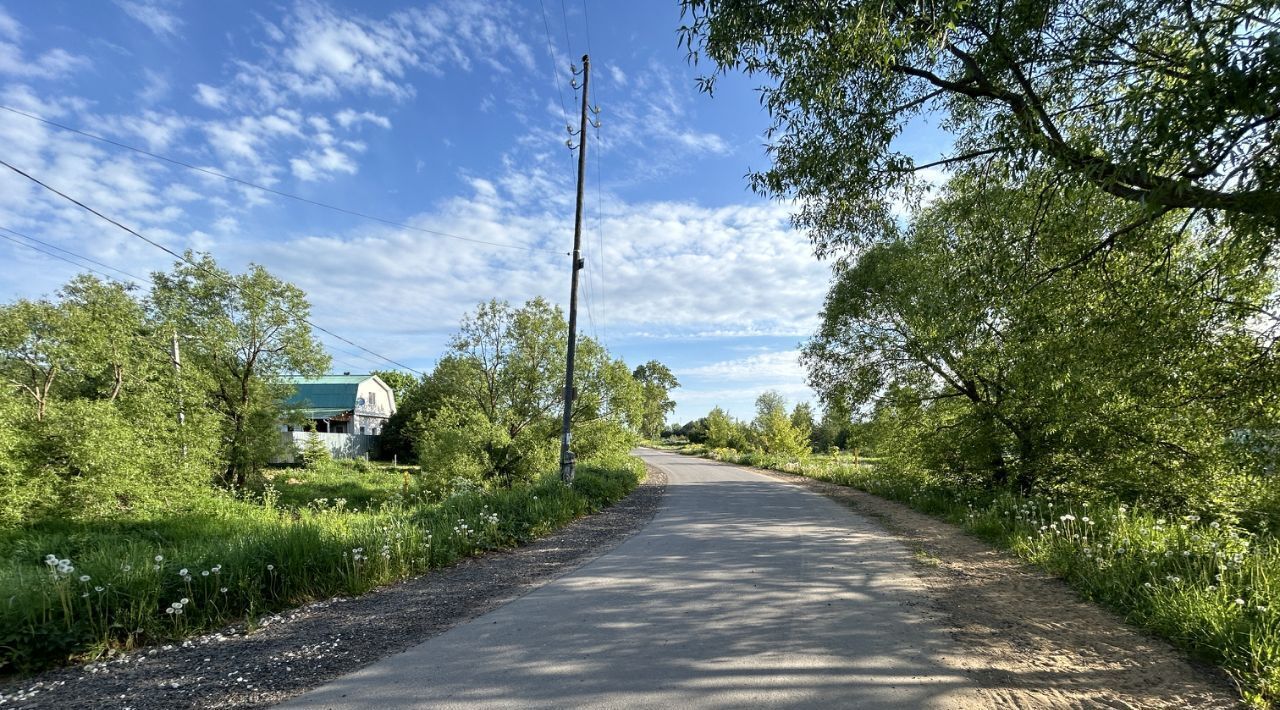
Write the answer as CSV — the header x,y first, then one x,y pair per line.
x,y
1040,645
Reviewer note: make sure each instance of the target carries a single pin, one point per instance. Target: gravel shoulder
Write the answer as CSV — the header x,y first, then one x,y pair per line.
x,y
1029,640
294,651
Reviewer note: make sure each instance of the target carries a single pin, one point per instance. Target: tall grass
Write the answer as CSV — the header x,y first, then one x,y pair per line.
x,y
74,591
1211,588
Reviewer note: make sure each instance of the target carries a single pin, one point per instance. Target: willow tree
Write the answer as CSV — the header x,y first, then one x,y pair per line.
x,y
1128,377
1166,104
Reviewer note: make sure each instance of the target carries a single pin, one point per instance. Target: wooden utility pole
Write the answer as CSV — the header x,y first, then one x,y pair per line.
x,y
182,415
566,456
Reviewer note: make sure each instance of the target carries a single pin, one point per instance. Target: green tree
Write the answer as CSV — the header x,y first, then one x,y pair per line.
x,y
245,332
719,428
1161,103
656,381
802,420
92,409
399,382
1124,376
492,406
773,429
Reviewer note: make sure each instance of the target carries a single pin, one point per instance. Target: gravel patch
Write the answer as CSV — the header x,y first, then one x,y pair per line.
x,y
291,652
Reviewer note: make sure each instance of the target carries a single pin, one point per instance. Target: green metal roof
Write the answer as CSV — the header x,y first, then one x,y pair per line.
x,y
325,396
326,379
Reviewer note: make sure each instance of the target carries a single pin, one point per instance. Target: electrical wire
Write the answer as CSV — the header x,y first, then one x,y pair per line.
x,y
82,257
546,26
183,258
273,191
76,264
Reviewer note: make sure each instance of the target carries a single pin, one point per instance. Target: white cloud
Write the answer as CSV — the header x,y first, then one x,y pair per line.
x,y
158,130
155,87
209,96
619,76
350,117
154,14
319,164
318,52
52,64
767,366
10,29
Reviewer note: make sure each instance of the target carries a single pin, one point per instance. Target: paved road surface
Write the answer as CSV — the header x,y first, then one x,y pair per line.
x,y
742,592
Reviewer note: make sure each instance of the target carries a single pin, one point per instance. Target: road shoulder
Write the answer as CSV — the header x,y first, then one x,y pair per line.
x,y
1030,640
295,651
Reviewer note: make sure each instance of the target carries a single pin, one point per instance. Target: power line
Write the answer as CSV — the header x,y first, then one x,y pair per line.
x,y
135,277
600,229
546,26
568,45
600,255
184,259
76,264
586,23
273,191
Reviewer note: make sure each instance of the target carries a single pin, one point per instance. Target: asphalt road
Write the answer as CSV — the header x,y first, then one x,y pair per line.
x,y
742,592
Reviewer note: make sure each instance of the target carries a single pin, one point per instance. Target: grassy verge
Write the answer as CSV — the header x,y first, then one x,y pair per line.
x,y
75,591
1210,588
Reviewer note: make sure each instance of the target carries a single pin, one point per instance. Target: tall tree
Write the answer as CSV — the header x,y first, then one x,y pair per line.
x,y
1126,377
489,408
240,333
774,430
720,429
1166,104
400,382
91,409
657,381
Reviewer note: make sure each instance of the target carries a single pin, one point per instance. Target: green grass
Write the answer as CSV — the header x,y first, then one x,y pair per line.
x,y
1209,587
227,559
358,484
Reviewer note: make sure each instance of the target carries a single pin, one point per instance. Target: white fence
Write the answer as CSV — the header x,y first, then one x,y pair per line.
x,y
342,446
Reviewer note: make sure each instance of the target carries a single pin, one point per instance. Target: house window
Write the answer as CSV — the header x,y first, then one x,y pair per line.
x,y
362,431
373,399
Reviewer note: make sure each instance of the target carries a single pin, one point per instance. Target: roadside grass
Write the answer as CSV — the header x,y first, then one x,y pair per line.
x,y
1209,587
357,483
75,592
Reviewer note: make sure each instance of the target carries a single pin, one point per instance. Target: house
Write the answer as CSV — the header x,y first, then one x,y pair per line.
x,y
343,404
346,411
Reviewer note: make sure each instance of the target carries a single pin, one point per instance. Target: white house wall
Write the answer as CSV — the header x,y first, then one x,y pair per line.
x,y
373,414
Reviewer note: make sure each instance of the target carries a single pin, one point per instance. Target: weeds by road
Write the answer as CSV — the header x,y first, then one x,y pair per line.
x,y
79,591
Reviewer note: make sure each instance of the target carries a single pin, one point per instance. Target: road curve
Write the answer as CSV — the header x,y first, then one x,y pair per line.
x,y
742,592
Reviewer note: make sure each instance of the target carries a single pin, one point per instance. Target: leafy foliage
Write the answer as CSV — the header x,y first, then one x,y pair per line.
x,y
490,411
997,374
247,330
656,381
1164,104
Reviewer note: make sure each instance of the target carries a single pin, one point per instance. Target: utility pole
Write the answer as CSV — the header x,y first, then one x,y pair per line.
x,y
182,416
566,456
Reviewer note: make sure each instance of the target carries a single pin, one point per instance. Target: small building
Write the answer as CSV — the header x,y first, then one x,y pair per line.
x,y
347,411
343,404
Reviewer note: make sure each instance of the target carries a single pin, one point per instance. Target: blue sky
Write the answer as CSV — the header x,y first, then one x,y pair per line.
x,y
447,116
